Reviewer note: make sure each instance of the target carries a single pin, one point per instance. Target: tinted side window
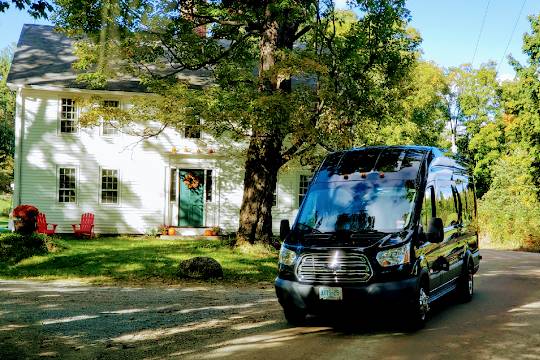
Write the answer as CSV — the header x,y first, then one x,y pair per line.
x,y
471,199
458,204
467,204
446,204
427,208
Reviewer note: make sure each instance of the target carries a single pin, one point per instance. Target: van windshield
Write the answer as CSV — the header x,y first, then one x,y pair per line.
x,y
357,206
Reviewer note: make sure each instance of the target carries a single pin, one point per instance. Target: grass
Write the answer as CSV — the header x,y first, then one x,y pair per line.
x,y
5,204
141,260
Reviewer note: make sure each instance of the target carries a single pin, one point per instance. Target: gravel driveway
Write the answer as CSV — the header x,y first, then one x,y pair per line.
x,y
69,320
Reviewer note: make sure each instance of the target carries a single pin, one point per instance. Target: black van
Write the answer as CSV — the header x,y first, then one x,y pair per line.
x,y
393,225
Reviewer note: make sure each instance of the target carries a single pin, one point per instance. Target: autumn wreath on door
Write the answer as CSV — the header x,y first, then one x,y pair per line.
x,y
192,182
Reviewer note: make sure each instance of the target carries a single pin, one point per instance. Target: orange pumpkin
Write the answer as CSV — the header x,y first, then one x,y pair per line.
x,y
172,231
208,232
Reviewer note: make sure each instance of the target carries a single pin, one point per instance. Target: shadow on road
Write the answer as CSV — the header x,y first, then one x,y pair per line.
x,y
70,320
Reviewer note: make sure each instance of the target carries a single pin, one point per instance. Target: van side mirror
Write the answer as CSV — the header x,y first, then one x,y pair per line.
x,y
435,230
284,229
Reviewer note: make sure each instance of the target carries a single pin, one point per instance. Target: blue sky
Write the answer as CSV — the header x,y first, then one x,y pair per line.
x,y
450,29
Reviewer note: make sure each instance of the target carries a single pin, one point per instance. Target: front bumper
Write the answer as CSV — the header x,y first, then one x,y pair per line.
x,y
393,294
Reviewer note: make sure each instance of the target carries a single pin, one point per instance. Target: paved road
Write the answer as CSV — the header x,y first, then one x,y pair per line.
x,y
73,321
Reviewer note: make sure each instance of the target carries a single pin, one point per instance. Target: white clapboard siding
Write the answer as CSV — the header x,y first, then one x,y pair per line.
x,y
143,167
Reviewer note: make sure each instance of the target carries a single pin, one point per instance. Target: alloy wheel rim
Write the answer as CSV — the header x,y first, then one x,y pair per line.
x,y
423,302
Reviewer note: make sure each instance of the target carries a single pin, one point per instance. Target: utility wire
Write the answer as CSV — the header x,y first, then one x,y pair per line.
x,y
481,30
511,35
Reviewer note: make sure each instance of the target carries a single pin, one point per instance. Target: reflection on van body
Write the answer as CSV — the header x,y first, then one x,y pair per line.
x,y
355,206
391,226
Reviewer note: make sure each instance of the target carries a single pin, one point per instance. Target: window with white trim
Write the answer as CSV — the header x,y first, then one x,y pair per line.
x,y
68,116
193,131
109,186
110,127
303,185
172,184
67,183
209,183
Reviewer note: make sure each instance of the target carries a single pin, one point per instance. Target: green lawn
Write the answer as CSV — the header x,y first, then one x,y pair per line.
x,y
142,260
5,203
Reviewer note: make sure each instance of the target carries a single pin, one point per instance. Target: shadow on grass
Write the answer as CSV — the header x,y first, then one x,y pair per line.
x,y
139,259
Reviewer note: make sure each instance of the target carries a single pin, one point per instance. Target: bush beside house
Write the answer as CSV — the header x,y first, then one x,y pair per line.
x,y
15,247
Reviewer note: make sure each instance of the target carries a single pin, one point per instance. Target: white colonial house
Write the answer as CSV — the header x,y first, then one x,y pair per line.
x,y
186,179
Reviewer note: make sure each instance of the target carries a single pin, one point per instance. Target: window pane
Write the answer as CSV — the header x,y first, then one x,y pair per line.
x,y
209,182
110,127
446,204
109,186
356,206
172,194
427,209
302,187
66,185
67,116
193,131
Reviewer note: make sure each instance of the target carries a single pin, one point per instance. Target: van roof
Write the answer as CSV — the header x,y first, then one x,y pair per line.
x,y
398,162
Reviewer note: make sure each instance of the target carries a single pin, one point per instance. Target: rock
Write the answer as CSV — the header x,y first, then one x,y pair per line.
x,y
200,267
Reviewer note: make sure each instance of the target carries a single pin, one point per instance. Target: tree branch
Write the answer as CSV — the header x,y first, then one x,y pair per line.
x,y
302,32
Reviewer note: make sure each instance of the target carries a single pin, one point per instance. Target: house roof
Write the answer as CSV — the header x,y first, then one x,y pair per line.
x,y
44,57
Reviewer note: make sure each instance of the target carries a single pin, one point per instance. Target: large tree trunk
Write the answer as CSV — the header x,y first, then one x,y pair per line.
x,y
262,166
264,157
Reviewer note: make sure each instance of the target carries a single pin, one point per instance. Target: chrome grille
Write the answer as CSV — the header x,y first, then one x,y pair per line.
x,y
333,267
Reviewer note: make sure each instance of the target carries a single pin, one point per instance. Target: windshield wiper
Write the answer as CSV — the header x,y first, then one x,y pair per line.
x,y
304,227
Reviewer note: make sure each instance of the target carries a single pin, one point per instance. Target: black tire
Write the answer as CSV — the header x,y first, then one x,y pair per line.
x,y
294,315
419,311
465,286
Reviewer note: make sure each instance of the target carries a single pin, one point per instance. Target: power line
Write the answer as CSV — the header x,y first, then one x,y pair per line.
x,y
511,35
481,30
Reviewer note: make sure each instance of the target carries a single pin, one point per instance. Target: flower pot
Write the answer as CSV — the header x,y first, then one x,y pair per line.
x,y
172,231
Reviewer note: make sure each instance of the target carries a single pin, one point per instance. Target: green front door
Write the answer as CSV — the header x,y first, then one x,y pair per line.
x,y
191,212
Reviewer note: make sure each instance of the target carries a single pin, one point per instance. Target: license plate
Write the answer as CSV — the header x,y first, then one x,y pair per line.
x,y
330,293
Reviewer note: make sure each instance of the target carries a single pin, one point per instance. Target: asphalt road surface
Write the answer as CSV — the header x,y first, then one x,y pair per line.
x,y
69,320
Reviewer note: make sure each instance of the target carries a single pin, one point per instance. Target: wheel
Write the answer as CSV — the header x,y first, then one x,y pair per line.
x,y
420,308
294,315
465,286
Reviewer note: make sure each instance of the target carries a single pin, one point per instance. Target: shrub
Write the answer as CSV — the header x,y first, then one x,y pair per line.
x,y
509,213
15,247
26,217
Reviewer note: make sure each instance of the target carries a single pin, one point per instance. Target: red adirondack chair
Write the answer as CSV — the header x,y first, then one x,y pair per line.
x,y
43,227
86,227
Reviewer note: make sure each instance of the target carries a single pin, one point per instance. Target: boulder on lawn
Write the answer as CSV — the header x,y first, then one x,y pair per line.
x,y
200,267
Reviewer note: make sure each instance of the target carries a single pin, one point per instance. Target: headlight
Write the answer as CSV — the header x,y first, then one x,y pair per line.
x,y
286,256
395,256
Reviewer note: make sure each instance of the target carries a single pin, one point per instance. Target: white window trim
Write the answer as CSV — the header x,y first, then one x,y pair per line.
x,y
102,122
212,189
77,184
59,115
119,190
201,134
176,185
298,187
277,194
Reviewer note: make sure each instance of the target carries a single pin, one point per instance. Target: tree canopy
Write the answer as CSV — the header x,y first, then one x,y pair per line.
x,y
36,8
293,78
7,115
